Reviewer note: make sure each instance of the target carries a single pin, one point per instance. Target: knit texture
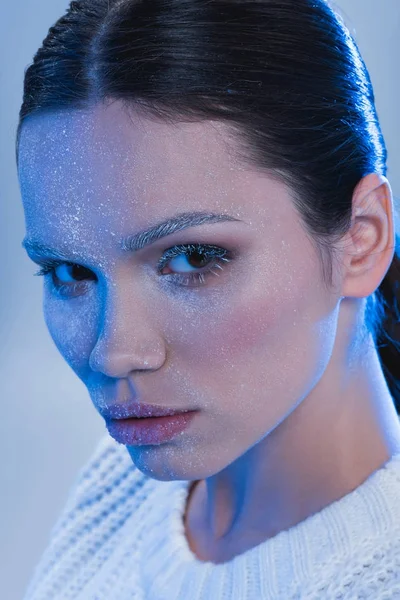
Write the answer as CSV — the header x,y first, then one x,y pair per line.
x,y
121,536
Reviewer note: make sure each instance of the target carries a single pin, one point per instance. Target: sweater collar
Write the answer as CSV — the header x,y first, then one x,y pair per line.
x,y
280,563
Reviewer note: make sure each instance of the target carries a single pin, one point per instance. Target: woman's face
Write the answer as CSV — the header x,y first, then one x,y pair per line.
x,y
242,341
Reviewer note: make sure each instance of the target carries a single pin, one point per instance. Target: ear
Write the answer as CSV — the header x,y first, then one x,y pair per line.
x,y
369,245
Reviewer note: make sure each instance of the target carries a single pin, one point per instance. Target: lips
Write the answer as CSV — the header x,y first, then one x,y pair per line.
x,y
149,431
134,409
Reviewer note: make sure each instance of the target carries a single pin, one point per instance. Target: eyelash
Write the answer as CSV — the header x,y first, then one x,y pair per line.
x,y
194,279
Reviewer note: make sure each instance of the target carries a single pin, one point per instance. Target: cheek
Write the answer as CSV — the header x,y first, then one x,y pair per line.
x,y
72,325
271,342
246,326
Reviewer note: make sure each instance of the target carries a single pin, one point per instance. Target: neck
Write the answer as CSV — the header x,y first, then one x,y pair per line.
x,y
342,432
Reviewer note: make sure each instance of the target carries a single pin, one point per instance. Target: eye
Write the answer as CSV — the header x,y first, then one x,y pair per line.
x,y
77,275
194,262
65,270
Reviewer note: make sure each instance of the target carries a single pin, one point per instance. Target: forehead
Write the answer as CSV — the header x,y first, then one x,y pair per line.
x,y
90,177
105,165
107,151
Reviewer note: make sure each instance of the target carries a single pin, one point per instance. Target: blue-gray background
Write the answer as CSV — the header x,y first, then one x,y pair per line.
x,y
48,426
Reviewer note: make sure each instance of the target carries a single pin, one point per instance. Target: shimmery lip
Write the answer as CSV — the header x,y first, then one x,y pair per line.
x,y
134,408
149,430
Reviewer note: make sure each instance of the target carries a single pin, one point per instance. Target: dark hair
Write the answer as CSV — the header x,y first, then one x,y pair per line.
x,y
285,75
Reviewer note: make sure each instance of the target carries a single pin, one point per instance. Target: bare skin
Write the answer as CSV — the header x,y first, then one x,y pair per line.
x,y
293,408
348,440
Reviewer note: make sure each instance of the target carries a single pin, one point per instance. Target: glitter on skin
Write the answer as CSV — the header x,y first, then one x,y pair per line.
x,y
261,350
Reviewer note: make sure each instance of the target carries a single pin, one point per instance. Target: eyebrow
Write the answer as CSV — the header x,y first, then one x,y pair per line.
x,y
137,241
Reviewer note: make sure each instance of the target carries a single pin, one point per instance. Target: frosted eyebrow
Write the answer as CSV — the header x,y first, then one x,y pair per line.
x,y
137,241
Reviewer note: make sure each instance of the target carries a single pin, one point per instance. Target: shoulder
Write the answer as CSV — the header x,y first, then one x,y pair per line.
x,y
107,463
104,496
104,477
371,572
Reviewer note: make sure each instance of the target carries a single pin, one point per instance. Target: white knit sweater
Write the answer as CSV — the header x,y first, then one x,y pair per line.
x,y
121,537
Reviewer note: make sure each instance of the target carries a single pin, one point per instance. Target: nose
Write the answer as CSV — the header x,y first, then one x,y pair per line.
x,y
129,338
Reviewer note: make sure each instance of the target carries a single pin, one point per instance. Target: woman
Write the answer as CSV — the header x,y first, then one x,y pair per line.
x,y
204,187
